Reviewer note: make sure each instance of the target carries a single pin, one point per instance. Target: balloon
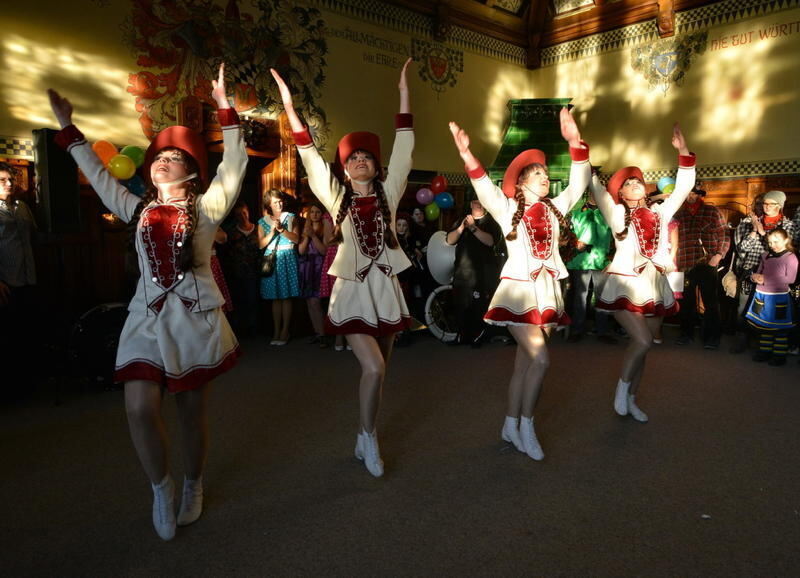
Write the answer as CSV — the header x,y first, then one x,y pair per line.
x,y
136,154
438,184
432,211
663,182
104,150
424,196
444,200
667,190
136,185
121,167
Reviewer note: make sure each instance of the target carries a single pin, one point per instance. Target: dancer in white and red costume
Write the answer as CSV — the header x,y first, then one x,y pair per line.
x,y
367,302
528,299
637,290
176,336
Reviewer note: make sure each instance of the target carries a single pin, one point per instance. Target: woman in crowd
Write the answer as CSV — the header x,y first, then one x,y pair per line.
x,y
750,243
637,290
279,231
312,251
176,337
528,299
771,309
367,303
245,259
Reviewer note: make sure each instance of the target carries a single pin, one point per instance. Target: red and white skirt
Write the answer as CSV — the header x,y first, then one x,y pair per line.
x,y
647,293
178,349
536,302
374,307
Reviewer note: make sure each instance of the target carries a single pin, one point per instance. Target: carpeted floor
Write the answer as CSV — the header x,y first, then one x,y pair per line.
x,y
708,488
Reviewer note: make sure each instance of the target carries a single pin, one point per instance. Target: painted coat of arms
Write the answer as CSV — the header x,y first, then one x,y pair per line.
x,y
666,62
439,65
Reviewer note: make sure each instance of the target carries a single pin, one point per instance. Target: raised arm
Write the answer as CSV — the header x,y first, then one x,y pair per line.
x,y
686,174
223,191
288,104
405,103
613,213
581,170
403,147
117,198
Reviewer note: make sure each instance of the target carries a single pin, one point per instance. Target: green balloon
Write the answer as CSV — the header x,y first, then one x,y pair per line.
x,y
432,211
667,190
136,154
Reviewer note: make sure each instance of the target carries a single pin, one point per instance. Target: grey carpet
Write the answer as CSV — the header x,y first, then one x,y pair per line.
x,y
708,488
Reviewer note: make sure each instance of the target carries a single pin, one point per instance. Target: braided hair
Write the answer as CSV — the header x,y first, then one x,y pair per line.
x,y
624,233
519,196
388,235
186,257
566,234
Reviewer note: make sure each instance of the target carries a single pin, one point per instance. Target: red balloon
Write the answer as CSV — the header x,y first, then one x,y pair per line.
x,y
438,184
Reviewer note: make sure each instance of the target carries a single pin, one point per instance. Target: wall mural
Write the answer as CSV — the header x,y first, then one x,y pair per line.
x,y
179,44
438,64
665,62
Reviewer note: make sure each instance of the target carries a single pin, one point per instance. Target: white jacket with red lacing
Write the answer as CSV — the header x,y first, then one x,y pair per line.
x,y
359,252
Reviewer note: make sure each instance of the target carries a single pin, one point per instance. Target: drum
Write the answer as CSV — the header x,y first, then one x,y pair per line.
x,y
441,258
93,343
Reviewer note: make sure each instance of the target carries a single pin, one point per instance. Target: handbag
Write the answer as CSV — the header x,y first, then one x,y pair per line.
x,y
268,260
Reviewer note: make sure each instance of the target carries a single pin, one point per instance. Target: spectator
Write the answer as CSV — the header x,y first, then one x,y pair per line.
x,y
750,243
702,244
475,271
245,259
17,278
771,310
586,269
312,251
280,231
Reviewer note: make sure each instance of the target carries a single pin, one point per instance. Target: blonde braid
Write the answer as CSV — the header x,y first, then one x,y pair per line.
x,y
388,235
186,261
347,200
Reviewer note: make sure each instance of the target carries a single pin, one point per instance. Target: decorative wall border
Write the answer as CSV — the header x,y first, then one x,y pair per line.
x,y
691,20
16,148
402,20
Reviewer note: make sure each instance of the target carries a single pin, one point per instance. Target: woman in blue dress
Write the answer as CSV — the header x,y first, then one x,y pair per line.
x,y
279,230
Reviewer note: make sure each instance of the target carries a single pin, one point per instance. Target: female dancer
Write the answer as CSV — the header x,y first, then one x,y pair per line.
x,y
637,290
278,229
528,299
367,303
176,336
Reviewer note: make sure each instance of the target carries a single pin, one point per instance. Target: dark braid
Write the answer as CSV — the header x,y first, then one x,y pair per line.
x,y
187,250
624,233
388,235
347,200
520,198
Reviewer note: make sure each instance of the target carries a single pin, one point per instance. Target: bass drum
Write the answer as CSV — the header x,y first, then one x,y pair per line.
x,y
441,258
440,314
93,343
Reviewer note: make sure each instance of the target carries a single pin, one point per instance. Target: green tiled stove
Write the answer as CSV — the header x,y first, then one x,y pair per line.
x,y
535,125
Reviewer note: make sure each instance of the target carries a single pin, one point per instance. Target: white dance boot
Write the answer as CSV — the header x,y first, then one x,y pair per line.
x,y
367,450
191,501
621,397
510,433
529,441
634,410
164,508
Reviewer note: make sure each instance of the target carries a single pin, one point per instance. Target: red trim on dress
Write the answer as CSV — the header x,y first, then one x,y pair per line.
x,y
302,138
192,379
540,231
227,117
68,135
649,309
548,317
475,173
403,120
579,154
359,325
687,161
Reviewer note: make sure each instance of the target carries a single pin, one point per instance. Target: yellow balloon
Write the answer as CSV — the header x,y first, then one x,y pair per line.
x,y
121,167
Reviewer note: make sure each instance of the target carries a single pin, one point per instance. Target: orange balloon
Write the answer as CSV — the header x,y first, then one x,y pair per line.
x,y
105,151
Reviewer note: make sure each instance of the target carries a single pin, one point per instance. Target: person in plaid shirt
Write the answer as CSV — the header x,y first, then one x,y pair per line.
x,y
750,243
703,243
